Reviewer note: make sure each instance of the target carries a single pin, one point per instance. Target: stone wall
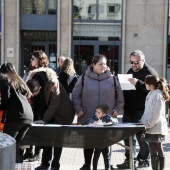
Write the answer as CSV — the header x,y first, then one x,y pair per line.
x,y
145,29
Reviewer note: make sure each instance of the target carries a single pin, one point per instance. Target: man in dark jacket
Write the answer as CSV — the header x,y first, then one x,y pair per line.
x,y
135,104
56,105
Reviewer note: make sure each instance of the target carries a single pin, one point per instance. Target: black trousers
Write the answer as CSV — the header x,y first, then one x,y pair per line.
x,y
144,152
88,156
17,131
106,156
32,150
47,156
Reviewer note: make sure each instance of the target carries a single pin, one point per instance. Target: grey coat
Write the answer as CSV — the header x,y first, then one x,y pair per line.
x,y
97,89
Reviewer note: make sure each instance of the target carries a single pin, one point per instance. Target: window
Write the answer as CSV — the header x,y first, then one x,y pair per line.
x,y
111,9
97,9
38,6
52,5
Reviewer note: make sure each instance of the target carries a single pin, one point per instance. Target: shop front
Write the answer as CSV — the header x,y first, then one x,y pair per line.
x,y
97,30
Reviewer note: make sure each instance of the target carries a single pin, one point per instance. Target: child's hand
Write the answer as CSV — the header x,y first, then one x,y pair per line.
x,y
99,122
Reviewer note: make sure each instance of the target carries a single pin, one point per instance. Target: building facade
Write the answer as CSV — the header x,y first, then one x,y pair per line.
x,y
82,28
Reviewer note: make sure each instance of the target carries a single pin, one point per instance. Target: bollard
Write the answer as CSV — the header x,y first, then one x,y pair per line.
x,y
7,152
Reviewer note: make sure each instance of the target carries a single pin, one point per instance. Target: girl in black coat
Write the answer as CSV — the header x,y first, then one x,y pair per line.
x,y
13,100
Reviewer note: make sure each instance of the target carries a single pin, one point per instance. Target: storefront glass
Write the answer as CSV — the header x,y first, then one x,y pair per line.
x,y
97,29
39,40
97,9
38,6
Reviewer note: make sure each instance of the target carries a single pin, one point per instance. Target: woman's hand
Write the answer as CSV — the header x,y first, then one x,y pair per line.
x,y
80,114
114,113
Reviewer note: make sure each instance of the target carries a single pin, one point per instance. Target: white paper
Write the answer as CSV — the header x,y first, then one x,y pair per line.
x,y
124,83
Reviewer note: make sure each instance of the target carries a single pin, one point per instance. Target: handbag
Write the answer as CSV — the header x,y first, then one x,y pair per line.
x,y
1,122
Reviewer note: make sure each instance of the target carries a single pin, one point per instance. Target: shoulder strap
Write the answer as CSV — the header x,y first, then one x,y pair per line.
x,y
114,78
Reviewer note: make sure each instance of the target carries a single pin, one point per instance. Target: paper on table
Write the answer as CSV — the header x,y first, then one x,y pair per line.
x,y
124,83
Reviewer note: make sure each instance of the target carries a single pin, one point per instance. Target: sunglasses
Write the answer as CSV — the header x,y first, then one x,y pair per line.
x,y
134,62
34,59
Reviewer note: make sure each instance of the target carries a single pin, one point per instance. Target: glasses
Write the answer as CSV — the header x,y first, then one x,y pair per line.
x,y
34,59
135,62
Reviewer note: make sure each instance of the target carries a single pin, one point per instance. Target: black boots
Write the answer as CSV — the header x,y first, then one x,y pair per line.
x,y
158,163
155,162
162,163
28,153
36,157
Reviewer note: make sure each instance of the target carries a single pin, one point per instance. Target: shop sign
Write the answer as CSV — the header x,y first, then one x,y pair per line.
x,y
96,30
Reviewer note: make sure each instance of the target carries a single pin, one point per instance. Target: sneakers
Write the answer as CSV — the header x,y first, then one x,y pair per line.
x,y
142,164
124,165
28,155
35,158
54,169
42,167
85,167
111,167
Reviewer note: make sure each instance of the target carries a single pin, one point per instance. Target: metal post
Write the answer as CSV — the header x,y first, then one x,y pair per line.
x,y
131,160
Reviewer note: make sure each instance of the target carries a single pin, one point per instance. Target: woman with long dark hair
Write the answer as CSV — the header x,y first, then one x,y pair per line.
x,y
13,100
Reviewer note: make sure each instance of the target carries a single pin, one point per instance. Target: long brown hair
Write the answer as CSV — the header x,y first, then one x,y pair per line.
x,y
68,66
160,84
43,60
14,80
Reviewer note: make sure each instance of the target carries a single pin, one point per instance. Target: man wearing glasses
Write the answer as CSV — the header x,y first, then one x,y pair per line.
x,y
134,107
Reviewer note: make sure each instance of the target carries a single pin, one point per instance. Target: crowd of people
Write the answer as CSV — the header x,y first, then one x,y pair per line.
x,y
47,96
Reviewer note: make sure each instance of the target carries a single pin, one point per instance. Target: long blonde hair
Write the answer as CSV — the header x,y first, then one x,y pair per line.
x,y
68,66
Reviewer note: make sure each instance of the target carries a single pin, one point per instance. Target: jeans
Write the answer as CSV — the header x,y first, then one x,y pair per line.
x,y
144,152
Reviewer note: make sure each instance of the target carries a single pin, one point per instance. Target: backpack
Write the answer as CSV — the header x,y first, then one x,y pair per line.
x,y
73,82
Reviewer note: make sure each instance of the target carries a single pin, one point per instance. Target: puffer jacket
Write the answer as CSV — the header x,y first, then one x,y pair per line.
x,y
59,105
154,114
97,89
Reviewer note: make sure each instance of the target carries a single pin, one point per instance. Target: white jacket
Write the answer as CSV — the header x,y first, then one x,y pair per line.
x,y
154,114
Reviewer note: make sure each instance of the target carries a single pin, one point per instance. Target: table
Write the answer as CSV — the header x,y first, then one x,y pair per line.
x,y
77,136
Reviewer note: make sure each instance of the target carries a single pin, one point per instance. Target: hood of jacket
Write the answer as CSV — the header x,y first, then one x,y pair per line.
x,y
93,75
50,73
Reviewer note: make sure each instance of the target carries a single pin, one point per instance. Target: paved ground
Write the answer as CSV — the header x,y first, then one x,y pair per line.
x,y
72,158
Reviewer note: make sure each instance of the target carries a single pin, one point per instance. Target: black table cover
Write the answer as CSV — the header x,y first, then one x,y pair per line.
x,y
75,136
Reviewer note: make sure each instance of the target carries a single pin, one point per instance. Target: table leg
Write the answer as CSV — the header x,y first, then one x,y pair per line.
x,y
131,160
